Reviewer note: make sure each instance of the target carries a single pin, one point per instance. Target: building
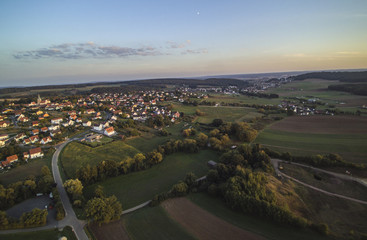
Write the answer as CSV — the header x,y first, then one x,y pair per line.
x,y
4,124
4,136
9,160
109,131
35,153
46,140
56,121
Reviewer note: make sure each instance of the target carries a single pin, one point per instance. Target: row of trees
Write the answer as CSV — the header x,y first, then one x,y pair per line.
x,y
22,190
35,218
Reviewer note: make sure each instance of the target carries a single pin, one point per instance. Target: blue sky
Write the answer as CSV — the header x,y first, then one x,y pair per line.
x,y
55,42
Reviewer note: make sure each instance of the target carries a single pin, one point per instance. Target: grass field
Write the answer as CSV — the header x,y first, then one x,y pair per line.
x,y
138,187
242,99
311,135
33,167
227,113
41,235
149,141
253,224
328,182
76,155
156,225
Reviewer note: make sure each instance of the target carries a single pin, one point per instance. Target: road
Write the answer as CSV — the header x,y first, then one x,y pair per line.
x,y
275,163
70,217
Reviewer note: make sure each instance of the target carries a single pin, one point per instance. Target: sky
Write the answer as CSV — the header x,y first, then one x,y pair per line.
x,y
56,42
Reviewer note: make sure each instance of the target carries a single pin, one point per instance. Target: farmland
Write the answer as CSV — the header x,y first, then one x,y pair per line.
x,y
41,235
76,155
318,135
135,188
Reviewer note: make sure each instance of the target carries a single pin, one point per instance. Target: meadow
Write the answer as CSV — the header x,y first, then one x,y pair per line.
x,y
76,155
33,167
138,187
41,235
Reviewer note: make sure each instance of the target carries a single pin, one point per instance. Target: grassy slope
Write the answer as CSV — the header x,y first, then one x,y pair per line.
x,y
41,235
33,167
76,155
259,226
138,187
351,146
156,224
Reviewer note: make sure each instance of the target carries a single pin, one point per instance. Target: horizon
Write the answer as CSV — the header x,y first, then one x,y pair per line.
x,y
51,43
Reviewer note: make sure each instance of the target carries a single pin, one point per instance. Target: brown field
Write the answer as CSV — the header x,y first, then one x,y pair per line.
x,y
323,124
110,231
203,224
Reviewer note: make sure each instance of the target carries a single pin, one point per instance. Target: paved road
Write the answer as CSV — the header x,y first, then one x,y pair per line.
x,y
70,217
275,163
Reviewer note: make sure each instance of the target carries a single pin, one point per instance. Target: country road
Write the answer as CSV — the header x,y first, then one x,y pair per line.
x,y
275,163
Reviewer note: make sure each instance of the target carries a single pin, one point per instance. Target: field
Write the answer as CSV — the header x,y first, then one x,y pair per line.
x,y
149,141
226,113
33,167
301,136
267,229
76,155
201,223
41,235
135,188
326,182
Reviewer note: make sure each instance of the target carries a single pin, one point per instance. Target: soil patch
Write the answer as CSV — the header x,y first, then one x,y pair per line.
x,y
203,224
110,231
323,124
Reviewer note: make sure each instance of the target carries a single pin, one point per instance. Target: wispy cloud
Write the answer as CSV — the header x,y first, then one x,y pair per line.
x,y
347,53
86,50
93,50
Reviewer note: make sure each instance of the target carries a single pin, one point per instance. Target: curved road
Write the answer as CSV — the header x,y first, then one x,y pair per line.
x,y
275,163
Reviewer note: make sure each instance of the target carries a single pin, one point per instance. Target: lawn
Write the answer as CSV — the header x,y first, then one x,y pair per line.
x,y
138,187
353,147
156,224
33,167
253,224
42,235
76,155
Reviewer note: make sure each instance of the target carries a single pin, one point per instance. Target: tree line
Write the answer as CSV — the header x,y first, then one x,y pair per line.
x,y
357,89
341,76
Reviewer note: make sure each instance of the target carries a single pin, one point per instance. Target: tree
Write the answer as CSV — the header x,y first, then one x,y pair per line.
x,y
103,210
36,217
201,139
139,159
179,189
3,220
75,188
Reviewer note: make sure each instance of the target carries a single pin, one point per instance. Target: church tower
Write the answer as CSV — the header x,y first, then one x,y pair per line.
x,y
39,100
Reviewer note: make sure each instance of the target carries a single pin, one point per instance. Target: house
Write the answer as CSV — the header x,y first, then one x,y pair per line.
x,y
2,143
35,124
4,136
87,124
79,120
109,131
54,133
56,121
9,160
44,129
23,119
27,141
35,153
98,127
25,155
46,140
35,131
90,111
4,124
20,136
34,139
53,128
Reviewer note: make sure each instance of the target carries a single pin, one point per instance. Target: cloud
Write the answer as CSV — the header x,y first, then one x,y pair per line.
x,y
85,50
197,51
172,44
347,53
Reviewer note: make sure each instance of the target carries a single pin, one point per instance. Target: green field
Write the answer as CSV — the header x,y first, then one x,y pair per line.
x,y
226,113
33,167
41,235
353,147
242,99
156,224
253,224
149,141
138,187
76,155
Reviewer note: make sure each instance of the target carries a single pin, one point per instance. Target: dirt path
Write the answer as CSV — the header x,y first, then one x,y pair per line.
x,y
203,224
111,231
